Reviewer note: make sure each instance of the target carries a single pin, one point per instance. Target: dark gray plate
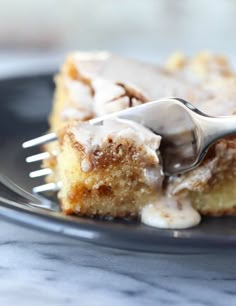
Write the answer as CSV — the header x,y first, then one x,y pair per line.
x,y
24,106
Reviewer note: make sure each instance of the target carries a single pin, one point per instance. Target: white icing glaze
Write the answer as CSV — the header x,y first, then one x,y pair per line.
x,y
80,94
198,178
105,92
116,105
168,212
111,97
86,165
74,113
202,174
93,136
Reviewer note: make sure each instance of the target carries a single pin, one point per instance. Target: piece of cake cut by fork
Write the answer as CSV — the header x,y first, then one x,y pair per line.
x,y
111,178
108,170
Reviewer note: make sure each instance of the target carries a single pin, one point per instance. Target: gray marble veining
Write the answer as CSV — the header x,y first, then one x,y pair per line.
x,y
41,269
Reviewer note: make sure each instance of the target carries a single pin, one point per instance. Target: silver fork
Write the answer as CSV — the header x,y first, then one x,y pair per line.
x,y
186,134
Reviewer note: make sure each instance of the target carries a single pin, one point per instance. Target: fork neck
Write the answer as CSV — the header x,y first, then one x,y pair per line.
x,y
214,128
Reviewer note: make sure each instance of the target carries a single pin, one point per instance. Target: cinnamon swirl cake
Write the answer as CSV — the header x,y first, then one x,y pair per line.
x,y
113,170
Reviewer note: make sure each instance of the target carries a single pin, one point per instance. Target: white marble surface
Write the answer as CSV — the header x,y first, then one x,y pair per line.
x,y
41,269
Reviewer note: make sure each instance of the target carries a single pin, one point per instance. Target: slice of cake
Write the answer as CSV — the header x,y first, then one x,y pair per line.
x,y
211,187
107,170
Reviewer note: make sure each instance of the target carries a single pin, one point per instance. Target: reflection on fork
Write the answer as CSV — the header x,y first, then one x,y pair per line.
x,y
186,134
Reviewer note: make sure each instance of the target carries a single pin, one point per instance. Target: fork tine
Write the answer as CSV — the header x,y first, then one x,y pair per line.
x,y
39,140
40,156
41,172
37,157
47,187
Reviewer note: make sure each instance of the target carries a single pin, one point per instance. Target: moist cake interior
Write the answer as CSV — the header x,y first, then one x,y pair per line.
x,y
109,180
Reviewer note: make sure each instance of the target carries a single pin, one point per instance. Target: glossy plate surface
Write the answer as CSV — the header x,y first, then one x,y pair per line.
x,y
24,106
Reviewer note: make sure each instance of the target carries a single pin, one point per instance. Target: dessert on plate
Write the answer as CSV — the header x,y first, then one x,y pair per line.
x,y
114,169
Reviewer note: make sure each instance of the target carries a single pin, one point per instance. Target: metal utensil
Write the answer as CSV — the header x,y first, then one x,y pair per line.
x,y
186,134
